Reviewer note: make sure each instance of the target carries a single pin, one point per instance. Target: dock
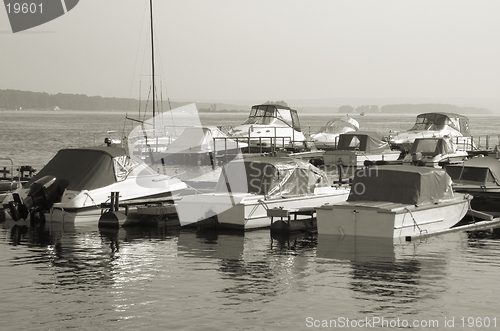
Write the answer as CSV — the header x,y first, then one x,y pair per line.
x,y
288,221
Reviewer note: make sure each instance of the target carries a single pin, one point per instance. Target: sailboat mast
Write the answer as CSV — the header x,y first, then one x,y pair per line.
x,y
152,60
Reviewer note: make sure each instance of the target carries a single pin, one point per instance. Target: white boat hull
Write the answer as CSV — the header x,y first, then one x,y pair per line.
x,y
247,211
390,220
86,205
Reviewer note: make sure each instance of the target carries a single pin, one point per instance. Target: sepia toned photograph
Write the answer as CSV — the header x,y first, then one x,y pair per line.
x,y
249,165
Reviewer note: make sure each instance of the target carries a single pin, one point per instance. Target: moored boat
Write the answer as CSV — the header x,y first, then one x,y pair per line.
x,y
479,176
327,137
79,180
271,126
249,186
395,201
428,125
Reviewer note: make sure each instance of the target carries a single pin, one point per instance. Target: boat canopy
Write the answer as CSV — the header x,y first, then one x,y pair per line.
x,y
442,121
345,124
432,146
88,168
366,141
478,170
271,176
266,114
401,184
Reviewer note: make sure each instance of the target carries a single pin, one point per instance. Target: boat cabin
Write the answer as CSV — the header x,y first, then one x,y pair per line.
x,y
442,121
274,115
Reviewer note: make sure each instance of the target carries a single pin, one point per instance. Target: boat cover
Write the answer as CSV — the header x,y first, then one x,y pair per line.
x,y
432,146
271,176
367,141
401,184
478,170
345,124
88,168
439,121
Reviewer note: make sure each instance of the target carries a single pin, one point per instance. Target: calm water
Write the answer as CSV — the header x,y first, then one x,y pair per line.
x,y
66,276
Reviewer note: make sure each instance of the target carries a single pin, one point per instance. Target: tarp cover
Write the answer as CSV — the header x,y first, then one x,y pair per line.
x,y
478,170
88,168
432,146
271,176
401,184
345,124
366,141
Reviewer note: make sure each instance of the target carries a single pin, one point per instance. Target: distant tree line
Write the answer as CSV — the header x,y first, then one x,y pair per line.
x,y
360,109
14,99
412,108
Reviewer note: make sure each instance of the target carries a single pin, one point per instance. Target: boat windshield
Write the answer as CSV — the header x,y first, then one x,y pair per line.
x,y
433,121
263,115
267,114
460,174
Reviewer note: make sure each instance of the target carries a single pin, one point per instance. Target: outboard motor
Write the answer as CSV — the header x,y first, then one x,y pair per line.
x,y
41,196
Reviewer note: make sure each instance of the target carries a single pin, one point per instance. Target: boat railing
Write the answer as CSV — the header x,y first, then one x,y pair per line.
x,y
486,142
477,143
4,169
13,175
265,144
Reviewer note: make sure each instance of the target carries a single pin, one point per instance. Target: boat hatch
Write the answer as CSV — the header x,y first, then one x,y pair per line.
x,y
432,146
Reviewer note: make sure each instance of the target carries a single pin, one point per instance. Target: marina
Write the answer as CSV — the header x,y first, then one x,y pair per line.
x,y
195,165
129,272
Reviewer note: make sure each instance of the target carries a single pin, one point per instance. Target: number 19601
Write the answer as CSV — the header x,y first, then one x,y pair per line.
x,y
24,8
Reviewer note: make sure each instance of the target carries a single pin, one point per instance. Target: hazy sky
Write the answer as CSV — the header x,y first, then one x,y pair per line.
x,y
262,49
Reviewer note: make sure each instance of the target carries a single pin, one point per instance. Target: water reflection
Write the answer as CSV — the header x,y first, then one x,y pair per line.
x,y
80,255
387,277
127,270
253,265
488,233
